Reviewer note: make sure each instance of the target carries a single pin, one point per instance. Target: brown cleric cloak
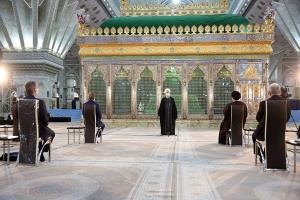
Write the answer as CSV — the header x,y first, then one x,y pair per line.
x,y
225,125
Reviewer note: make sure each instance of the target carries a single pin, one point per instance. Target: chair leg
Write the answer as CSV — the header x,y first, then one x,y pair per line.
x,y
79,135
228,139
49,152
41,151
255,149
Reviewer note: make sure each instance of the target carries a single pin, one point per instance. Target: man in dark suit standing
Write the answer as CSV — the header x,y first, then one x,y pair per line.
x,y
259,133
45,132
225,125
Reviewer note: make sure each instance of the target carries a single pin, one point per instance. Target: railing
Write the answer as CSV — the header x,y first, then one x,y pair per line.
x,y
267,27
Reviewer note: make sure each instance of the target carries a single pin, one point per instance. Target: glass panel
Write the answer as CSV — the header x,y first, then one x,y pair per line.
x,y
97,85
173,82
197,93
222,90
146,93
122,94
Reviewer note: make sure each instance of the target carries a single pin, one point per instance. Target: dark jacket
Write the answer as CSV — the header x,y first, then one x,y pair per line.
x,y
98,111
225,124
260,116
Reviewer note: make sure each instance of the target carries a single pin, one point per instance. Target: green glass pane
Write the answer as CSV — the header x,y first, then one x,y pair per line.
x,y
173,82
97,85
146,93
122,94
197,93
222,91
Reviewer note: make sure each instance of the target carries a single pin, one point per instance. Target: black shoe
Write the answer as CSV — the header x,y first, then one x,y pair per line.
x,y
42,159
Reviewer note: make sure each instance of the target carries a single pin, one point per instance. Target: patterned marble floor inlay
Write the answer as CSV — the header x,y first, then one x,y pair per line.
x,y
136,163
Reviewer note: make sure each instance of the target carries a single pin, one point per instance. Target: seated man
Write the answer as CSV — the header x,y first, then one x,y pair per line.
x,y
259,133
45,132
225,125
92,101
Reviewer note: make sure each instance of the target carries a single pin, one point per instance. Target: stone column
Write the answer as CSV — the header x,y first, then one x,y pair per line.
x,y
184,92
109,93
210,90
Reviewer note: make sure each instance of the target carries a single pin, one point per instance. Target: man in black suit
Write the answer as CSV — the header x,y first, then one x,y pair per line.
x,y
92,101
45,132
259,133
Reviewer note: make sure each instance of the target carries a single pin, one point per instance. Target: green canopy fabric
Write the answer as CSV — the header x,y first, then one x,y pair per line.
x,y
190,20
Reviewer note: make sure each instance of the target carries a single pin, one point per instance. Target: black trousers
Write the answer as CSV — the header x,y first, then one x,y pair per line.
x,y
49,133
260,153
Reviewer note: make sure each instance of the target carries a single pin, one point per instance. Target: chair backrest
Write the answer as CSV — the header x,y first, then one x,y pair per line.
x,y
29,130
14,111
236,125
275,125
90,122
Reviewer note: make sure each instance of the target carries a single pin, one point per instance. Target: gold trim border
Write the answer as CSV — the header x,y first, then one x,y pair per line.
x,y
181,49
181,9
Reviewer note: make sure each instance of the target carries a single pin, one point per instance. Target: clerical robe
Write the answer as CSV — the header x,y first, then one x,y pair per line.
x,y
168,115
225,125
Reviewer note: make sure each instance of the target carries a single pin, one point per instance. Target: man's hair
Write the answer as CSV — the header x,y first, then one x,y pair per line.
x,y
275,89
236,95
29,87
91,96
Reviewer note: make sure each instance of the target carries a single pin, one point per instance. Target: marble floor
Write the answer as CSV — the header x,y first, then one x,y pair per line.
x,y
136,163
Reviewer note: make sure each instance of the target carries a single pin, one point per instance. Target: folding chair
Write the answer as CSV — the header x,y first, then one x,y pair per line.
x,y
274,145
28,123
90,123
98,138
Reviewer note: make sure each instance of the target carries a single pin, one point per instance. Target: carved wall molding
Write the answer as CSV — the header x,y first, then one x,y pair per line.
x,y
202,67
167,67
229,66
116,69
140,68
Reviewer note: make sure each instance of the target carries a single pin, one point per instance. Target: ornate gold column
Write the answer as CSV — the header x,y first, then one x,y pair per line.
x,y
109,94
184,92
133,92
210,90
237,84
158,85
83,84
265,81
